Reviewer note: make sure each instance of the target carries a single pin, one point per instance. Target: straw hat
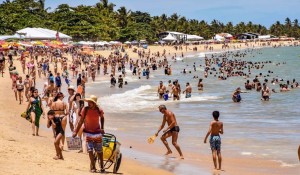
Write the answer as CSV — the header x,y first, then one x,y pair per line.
x,y
72,88
92,98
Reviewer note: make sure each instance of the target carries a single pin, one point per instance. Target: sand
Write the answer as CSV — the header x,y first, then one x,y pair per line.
x,y
22,153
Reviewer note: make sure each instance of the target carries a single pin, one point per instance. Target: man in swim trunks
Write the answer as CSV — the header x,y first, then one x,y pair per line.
x,y
215,128
171,131
188,90
176,91
161,90
265,92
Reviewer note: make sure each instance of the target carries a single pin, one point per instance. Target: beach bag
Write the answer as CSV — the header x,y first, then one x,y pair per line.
x,y
26,115
74,143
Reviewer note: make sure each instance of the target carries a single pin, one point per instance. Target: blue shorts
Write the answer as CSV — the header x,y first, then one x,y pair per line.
x,y
188,95
215,143
91,146
94,142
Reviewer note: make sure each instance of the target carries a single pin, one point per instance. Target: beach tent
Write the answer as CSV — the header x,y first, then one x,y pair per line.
x,y
143,41
6,37
223,36
42,34
264,37
194,38
134,42
169,38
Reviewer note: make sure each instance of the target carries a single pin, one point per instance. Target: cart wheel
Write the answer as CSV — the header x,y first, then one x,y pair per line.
x,y
117,163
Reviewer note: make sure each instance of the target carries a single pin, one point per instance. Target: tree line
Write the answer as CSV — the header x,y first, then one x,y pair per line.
x,y
103,22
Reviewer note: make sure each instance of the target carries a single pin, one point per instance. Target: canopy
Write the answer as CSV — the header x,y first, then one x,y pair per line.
x,y
40,34
194,38
169,38
5,37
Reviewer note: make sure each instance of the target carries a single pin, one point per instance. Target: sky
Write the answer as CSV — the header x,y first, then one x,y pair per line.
x,y
265,12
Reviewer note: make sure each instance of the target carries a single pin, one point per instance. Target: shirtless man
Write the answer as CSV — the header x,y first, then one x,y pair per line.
x,y
215,128
171,131
265,93
50,90
188,90
176,91
161,90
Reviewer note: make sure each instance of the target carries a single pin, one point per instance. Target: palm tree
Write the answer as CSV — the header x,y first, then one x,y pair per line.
x,y
103,4
123,16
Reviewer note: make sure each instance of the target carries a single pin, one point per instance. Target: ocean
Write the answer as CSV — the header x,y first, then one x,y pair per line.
x,y
257,129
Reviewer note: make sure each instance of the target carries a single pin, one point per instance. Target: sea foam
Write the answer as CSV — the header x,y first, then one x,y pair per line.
x,y
142,99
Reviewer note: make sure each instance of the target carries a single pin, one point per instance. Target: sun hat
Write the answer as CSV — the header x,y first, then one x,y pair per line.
x,y
92,98
71,87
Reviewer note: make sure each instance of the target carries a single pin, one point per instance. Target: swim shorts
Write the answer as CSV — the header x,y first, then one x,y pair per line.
x,y
175,129
94,142
188,95
215,143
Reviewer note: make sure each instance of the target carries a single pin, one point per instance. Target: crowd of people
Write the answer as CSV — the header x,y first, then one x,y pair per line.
x,y
54,65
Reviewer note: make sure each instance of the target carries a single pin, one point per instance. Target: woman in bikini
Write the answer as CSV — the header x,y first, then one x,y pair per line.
x,y
20,89
36,109
61,110
76,106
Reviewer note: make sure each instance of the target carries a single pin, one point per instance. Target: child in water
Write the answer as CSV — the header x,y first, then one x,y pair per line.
x,y
166,95
214,131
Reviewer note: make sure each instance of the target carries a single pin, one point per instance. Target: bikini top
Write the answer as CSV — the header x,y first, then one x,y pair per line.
x,y
20,85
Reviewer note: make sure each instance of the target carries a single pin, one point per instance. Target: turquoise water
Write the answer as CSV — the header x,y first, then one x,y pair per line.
x,y
252,128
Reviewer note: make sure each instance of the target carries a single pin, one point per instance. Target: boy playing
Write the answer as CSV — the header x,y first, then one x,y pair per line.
x,y
215,128
58,132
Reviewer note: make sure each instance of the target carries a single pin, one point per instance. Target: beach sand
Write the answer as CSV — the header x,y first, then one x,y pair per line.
x,y
22,153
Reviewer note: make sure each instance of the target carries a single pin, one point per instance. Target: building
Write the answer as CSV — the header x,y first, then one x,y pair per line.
x,y
247,35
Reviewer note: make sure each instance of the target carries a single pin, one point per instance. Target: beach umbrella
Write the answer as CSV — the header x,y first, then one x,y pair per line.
x,y
127,42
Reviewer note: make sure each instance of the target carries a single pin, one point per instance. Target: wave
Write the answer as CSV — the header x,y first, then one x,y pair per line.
x,y
284,164
142,99
190,56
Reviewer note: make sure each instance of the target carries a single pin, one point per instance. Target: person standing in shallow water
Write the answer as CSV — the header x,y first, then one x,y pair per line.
x,y
215,129
171,131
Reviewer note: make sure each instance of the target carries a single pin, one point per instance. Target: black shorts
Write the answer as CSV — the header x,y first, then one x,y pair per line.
x,y
175,129
266,97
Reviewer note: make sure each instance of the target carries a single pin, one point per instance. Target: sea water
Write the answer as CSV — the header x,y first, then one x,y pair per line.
x,y
253,128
